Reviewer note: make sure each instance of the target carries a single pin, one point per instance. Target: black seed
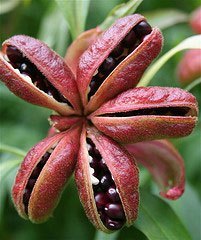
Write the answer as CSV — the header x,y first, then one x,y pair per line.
x,y
108,65
44,160
96,188
14,55
23,67
101,200
113,194
105,182
113,225
142,29
31,183
89,141
130,50
26,196
117,51
103,167
115,211
130,39
102,215
36,172
26,69
94,164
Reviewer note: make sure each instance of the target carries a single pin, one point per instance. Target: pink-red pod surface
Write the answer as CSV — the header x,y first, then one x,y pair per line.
x,y
189,67
128,70
124,173
79,46
49,65
164,163
195,21
146,114
43,175
62,123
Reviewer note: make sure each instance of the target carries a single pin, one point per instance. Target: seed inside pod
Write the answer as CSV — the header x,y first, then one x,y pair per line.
x,y
106,196
127,45
33,178
161,111
32,74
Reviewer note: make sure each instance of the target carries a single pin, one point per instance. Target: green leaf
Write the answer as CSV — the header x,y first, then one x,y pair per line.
x,y
193,84
189,147
118,11
193,42
75,12
8,5
105,236
54,30
158,221
7,166
164,18
13,150
188,209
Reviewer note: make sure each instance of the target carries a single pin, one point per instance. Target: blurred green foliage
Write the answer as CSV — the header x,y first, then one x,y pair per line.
x,y
23,125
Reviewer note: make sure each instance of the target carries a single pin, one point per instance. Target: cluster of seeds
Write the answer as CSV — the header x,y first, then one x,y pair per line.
x,y
29,71
33,178
106,195
131,41
164,111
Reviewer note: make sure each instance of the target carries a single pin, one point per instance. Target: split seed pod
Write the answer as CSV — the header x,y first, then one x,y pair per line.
x,y
107,180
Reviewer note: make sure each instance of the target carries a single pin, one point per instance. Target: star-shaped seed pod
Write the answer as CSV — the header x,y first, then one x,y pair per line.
x,y
102,123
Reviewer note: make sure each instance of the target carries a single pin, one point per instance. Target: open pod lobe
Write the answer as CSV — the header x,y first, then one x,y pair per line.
x,y
107,180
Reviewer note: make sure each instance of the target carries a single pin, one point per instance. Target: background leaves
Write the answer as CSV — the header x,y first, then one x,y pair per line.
x,y
158,221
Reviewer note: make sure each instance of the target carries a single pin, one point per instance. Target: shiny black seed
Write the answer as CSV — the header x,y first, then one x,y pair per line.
x,y
121,59
130,50
102,215
130,39
108,65
142,29
93,86
103,167
101,200
105,182
31,183
44,159
26,68
36,172
14,55
117,51
39,84
23,67
113,194
26,196
96,188
115,211
94,164
113,225
89,141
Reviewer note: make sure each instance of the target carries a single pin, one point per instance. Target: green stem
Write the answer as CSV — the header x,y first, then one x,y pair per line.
x,y
105,236
188,43
193,84
13,150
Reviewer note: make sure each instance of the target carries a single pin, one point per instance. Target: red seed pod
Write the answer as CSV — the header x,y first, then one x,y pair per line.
x,y
99,157
34,72
195,21
189,67
43,175
146,114
101,76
